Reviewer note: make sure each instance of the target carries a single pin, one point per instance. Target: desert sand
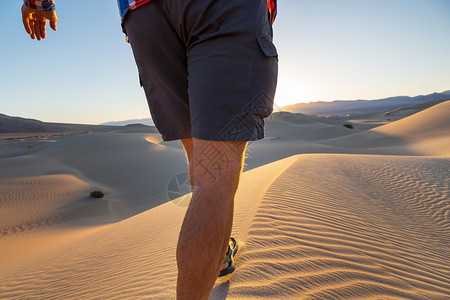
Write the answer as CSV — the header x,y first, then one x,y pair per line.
x,y
322,212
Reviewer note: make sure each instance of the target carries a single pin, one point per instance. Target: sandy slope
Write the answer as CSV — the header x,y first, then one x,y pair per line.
x,y
434,119
312,226
428,131
350,227
28,201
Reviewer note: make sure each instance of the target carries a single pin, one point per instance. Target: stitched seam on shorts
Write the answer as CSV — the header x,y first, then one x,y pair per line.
x,y
252,93
255,55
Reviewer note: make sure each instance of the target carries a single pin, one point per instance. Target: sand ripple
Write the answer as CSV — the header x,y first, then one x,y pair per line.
x,y
342,227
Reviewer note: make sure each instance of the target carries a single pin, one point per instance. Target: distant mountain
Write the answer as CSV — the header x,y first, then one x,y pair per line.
x,y
147,121
345,107
15,124
10,124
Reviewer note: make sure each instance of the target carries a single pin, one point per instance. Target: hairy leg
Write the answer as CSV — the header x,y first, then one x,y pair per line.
x,y
216,168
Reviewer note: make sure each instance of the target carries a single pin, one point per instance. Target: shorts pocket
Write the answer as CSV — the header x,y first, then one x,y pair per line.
x,y
264,31
266,45
265,67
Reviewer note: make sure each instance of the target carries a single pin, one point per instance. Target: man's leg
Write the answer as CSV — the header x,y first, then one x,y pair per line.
x,y
188,145
204,236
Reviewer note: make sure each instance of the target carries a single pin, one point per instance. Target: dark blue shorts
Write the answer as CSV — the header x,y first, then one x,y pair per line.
x,y
208,68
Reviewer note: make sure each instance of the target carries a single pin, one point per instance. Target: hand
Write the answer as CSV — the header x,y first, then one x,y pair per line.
x,y
35,21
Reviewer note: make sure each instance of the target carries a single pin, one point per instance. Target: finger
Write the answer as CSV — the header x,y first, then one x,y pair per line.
x,y
42,27
32,31
53,20
26,24
37,29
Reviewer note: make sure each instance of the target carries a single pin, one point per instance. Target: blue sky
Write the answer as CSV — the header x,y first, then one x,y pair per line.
x,y
328,50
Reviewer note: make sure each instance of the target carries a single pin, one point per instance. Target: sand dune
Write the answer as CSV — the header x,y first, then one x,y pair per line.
x,y
433,121
360,224
131,171
372,227
424,133
43,200
427,131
